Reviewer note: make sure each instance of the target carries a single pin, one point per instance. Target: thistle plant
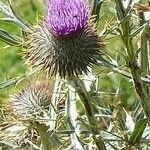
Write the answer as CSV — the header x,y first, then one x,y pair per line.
x,y
66,43
94,95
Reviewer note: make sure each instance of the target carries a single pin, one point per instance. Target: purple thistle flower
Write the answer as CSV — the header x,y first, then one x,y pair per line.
x,y
66,42
67,16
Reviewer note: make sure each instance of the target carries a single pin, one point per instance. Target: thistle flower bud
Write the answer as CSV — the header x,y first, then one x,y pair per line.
x,y
66,41
32,100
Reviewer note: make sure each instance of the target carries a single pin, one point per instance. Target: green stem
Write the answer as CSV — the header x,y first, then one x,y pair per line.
x,y
85,98
132,60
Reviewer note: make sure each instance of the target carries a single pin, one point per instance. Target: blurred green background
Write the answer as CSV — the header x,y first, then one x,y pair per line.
x,y
116,87
11,63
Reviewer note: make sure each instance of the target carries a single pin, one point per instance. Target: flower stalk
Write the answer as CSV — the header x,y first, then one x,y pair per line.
x,y
72,115
85,98
132,62
54,102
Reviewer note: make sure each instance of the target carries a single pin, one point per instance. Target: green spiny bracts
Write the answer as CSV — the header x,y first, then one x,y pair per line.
x,y
68,55
32,101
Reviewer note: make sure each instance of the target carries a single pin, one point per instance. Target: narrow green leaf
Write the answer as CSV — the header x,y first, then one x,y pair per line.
x,y
138,131
15,80
137,31
8,83
10,16
7,38
96,9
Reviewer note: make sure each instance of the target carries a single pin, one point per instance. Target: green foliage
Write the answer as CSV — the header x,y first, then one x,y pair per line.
x,y
138,131
112,112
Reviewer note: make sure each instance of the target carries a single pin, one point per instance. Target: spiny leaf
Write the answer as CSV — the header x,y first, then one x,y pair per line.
x,y
96,8
138,131
7,38
137,31
10,15
15,80
8,83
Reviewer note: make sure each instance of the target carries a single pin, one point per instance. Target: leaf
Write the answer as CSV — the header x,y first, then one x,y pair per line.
x,y
138,131
10,15
137,31
8,83
96,9
4,9
7,38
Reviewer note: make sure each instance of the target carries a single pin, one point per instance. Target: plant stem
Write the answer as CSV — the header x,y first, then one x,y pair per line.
x,y
71,114
55,97
135,70
85,98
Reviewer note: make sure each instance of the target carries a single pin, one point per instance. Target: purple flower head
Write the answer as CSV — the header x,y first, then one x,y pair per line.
x,y
65,17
